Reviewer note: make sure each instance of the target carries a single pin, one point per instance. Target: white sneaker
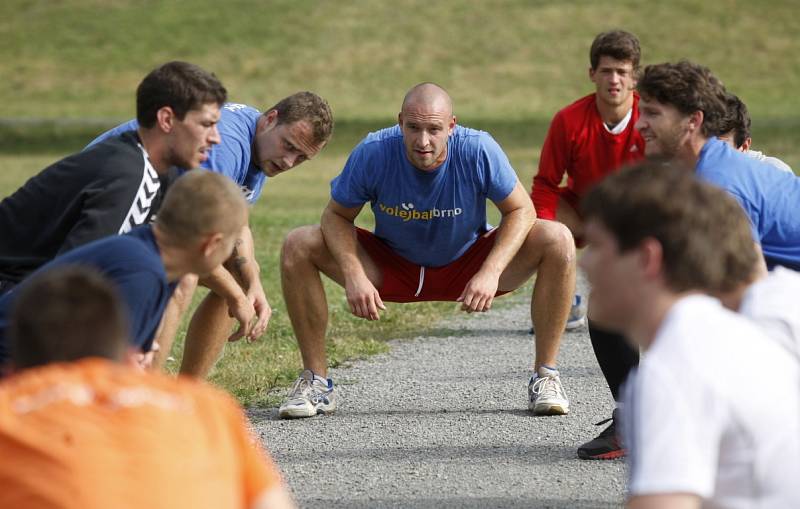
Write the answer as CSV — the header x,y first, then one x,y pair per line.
x,y
546,396
308,397
577,314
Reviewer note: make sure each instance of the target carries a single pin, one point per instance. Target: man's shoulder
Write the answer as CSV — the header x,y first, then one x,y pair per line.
x,y
380,142
468,143
134,250
122,151
715,150
115,159
387,135
234,113
579,108
699,331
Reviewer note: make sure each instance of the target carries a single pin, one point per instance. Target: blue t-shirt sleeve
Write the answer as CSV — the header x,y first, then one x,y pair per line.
x,y
352,188
752,215
130,125
498,177
226,158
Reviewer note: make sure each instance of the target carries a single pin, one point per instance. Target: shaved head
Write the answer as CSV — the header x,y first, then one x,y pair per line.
x,y
429,95
426,120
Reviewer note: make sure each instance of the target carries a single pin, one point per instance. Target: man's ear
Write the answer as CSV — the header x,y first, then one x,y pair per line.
x,y
165,119
400,119
651,257
746,145
272,118
696,120
211,243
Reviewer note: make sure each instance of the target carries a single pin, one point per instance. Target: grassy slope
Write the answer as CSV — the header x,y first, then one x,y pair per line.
x,y
508,64
508,58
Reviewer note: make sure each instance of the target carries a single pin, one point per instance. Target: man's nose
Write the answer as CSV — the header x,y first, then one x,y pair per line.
x,y
289,160
214,138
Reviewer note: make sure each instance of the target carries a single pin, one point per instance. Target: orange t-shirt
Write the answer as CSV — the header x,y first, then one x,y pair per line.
x,y
94,434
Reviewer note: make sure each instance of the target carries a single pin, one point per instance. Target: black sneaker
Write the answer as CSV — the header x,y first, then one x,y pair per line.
x,y
606,446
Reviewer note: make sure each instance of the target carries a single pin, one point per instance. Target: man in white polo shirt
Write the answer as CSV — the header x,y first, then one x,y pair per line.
x,y
712,416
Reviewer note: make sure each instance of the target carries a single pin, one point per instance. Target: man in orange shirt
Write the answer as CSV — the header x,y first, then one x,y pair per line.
x,y
81,429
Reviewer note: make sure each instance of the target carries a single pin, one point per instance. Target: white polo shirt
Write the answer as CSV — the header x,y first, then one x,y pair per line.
x,y
774,304
714,410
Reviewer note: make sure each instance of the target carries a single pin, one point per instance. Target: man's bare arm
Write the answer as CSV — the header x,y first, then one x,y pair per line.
x,y
518,216
222,282
243,265
339,233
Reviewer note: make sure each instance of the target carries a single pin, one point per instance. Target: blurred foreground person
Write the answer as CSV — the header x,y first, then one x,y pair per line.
x,y
700,428
81,429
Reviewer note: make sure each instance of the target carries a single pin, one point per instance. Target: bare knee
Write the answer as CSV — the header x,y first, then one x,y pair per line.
x,y
553,240
300,246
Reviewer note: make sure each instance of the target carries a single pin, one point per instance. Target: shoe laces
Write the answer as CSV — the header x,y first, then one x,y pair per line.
x,y
611,429
303,386
547,386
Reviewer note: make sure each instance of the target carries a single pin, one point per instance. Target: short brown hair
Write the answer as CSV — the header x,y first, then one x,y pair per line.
x,y
310,107
181,86
617,44
64,315
705,236
201,202
688,87
737,121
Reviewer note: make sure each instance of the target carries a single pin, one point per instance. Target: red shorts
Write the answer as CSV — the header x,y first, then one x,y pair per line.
x,y
404,281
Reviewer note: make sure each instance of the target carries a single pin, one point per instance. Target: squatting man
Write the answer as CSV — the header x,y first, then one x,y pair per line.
x,y
427,180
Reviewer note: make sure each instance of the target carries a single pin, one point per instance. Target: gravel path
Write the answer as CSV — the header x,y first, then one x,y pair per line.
x,y
441,421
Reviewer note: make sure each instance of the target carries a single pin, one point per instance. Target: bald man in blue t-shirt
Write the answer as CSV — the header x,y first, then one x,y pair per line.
x,y
427,181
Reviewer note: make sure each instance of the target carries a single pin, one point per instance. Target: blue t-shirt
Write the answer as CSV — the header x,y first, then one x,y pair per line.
x,y
769,196
233,155
428,218
133,265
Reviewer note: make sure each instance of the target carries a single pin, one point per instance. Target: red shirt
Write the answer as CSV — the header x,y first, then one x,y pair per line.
x,y
578,143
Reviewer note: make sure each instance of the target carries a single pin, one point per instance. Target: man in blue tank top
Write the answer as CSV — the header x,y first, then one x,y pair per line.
x,y
427,181
253,146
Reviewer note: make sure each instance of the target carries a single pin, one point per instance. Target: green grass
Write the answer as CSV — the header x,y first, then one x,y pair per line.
x,y
70,69
500,59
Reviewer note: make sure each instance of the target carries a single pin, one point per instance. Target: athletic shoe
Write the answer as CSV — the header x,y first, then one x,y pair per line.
x,y
308,397
545,394
577,314
606,446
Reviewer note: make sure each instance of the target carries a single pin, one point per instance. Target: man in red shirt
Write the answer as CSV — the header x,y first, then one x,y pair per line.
x,y
590,139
